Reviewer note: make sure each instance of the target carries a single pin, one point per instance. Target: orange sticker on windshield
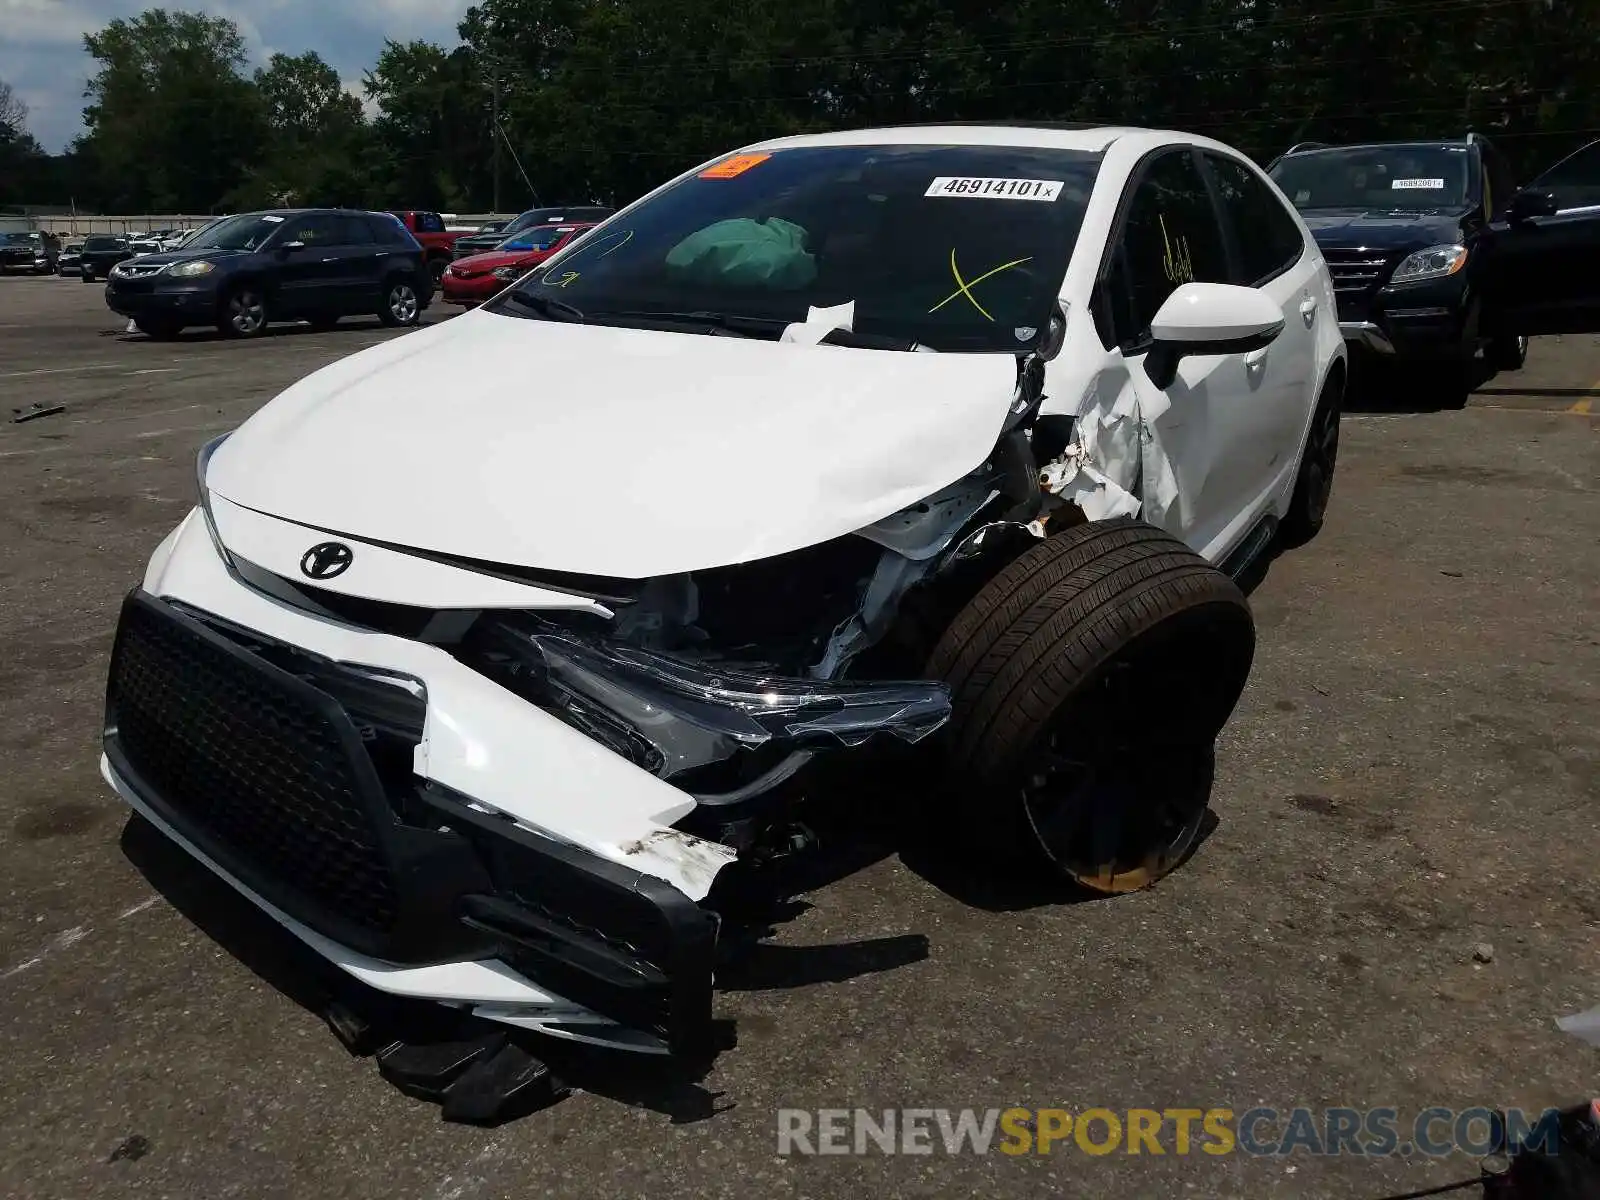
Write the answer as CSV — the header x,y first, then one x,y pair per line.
x,y
737,165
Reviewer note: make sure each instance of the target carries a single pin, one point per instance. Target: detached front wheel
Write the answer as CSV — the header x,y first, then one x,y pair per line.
x,y
1090,679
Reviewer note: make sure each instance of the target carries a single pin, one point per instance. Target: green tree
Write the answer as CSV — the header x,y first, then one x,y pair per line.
x,y
172,123
431,134
318,151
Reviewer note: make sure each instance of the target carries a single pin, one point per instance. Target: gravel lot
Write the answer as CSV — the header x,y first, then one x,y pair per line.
x,y
1414,770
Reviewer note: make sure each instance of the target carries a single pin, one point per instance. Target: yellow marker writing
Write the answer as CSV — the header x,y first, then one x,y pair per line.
x,y
964,287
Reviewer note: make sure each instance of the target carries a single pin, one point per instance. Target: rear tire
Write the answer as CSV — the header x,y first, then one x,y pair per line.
x,y
400,304
1313,486
1089,681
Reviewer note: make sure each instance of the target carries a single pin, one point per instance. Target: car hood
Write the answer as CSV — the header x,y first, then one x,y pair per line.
x,y
477,264
1379,230
167,257
614,452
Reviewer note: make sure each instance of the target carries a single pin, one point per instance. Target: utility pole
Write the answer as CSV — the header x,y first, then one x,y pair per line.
x,y
495,132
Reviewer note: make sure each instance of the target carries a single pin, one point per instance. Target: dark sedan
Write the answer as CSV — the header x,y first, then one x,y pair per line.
x,y
101,252
242,273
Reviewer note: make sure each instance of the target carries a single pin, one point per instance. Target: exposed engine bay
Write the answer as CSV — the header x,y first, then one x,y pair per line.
x,y
727,682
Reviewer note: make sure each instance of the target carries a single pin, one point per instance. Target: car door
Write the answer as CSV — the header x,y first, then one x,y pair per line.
x,y
1543,273
1268,251
307,264
1208,437
359,282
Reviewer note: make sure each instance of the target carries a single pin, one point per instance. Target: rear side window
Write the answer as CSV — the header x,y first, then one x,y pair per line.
x,y
1169,237
1268,240
353,231
388,231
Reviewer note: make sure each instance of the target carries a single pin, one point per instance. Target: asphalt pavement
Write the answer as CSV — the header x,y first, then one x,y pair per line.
x,y
1410,786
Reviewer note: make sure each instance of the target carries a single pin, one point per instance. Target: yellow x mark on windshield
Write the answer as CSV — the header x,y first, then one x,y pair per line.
x,y
964,287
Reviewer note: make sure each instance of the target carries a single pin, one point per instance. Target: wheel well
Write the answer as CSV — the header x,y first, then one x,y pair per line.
x,y
1337,374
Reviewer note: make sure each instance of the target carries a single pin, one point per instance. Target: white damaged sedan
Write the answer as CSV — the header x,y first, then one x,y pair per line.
x,y
494,655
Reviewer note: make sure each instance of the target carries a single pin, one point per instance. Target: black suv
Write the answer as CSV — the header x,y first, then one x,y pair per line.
x,y
243,272
1436,254
30,251
482,243
101,252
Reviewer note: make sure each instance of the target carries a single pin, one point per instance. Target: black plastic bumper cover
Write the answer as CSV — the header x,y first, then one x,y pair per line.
x,y
275,770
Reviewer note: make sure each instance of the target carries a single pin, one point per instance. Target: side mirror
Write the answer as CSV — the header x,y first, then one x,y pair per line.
x,y
1530,202
1209,318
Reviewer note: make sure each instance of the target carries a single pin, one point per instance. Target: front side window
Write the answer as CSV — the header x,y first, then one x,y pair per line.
x,y
1575,180
1169,237
1268,239
953,247
1395,178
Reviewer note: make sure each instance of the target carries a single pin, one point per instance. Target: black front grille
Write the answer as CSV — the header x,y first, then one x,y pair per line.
x,y
259,762
1357,271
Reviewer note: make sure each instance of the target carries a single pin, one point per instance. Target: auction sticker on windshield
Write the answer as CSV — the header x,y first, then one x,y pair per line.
x,y
1419,185
995,189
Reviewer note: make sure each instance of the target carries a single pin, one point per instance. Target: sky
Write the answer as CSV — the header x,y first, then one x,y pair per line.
x,y
42,57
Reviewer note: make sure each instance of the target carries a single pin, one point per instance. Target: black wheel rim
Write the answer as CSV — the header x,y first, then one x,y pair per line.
x,y
1322,455
1115,800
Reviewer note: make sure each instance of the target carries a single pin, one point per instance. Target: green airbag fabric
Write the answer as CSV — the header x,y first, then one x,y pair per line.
x,y
745,252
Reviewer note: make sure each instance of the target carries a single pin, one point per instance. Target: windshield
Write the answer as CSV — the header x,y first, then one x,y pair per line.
x,y
104,243
248,232
17,239
1406,178
541,238
953,247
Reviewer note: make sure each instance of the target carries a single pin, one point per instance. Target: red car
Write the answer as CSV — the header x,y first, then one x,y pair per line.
x,y
473,280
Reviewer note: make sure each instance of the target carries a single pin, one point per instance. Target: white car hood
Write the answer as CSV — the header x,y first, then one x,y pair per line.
x,y
615,452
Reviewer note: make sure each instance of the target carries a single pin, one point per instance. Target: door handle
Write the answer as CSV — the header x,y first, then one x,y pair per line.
x,y
1308,310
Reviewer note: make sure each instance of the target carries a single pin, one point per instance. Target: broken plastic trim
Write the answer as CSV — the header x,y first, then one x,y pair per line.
x,y
691,715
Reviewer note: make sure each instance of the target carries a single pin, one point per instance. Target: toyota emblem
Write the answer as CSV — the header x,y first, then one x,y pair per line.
x,y
325,560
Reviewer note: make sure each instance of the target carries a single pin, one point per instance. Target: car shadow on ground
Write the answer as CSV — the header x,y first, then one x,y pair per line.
x,y
667,1086
1382,389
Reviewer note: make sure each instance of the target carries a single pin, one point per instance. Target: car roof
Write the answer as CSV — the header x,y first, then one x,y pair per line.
x,y
1051,135
1460,143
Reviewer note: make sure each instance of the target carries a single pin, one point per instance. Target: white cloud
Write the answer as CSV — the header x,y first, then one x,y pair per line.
x,y
42,56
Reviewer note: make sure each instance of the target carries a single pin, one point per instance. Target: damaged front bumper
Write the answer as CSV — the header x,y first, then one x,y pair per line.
x,y
441,831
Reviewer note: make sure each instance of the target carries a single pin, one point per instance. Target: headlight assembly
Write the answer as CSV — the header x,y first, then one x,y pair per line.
x,y
1433,263
188,270
507,274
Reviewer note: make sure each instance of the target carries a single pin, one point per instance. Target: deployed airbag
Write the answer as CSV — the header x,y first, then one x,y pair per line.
x,y
746,252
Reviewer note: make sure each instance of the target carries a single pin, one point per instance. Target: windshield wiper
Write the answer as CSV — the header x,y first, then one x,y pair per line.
x,y
547,307
732,323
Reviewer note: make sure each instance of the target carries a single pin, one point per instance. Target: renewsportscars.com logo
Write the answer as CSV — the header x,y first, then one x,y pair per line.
x,y
1259,1132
